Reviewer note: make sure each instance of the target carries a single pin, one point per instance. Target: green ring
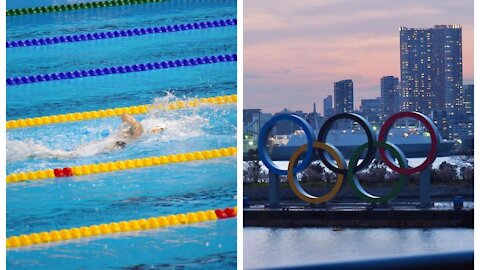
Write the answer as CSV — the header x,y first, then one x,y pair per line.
x,y
358,188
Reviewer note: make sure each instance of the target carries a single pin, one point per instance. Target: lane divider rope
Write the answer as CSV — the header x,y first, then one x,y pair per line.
x,y
119,227
67,7
121,69
120,165
120,33
139,109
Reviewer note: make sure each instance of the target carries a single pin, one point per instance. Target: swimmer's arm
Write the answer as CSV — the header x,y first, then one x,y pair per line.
x,y
138,130
132,122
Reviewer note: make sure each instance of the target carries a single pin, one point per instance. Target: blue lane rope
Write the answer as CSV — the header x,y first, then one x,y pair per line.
x,y
121,69
120,33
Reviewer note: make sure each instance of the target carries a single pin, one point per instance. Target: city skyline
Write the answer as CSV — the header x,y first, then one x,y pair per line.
x,y
362,44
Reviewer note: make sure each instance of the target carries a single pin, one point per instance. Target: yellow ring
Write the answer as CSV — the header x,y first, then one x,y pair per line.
x,y
298,189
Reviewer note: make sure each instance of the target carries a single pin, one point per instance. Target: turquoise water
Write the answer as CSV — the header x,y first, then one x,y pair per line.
x,y
132,194
139,49
210,248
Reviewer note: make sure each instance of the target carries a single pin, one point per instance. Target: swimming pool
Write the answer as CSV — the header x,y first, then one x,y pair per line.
x,y
58,203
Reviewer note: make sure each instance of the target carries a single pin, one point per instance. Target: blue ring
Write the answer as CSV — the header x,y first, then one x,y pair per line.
x,y
262,143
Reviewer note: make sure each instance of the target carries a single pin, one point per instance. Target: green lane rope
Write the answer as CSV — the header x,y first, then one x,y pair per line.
x,y
67,7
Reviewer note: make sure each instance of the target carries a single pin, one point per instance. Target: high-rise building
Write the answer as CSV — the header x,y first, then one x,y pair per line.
x,y
468,99
439,117
370,105
343,96
464,130
370,108
390,95
431,69
328,106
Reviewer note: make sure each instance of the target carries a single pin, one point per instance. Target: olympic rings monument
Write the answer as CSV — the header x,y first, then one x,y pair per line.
x,y
319,148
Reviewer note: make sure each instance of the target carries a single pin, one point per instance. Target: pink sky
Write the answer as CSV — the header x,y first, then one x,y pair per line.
x,y
295,50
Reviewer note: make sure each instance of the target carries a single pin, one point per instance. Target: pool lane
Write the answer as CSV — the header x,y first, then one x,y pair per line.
x,y
209,245
62,57
119,90
117,196
117,18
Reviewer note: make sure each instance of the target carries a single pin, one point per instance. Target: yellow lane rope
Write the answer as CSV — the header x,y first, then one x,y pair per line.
x,y
121,165
119,227
140,109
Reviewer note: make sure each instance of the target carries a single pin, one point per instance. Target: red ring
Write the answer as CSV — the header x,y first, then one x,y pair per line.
x,y
432,155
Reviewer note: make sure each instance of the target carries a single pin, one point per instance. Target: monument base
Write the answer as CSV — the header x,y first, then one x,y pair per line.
x,y
372,218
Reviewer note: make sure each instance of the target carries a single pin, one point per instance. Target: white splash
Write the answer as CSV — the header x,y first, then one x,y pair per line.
x,y
20,150
177,125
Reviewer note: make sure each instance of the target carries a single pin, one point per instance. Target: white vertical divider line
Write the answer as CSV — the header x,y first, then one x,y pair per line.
x,y
476,138
240,134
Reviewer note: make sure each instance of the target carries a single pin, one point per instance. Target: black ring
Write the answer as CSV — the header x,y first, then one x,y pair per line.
x,y
371,136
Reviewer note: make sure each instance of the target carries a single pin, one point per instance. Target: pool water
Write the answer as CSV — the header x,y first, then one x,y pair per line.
x,y
130,194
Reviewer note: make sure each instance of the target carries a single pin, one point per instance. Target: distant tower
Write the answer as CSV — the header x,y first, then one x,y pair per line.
x,y
431,69
314,108
343,96
328,106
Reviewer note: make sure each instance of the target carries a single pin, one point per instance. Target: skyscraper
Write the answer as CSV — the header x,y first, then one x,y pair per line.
x,y
465,127
390,95
468,100
343,96
431,68
328,106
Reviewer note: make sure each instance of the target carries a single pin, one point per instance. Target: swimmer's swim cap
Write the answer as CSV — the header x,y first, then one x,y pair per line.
x,y
120,144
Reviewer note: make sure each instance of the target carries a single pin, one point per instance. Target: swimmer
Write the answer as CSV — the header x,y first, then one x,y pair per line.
x,y
131,130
